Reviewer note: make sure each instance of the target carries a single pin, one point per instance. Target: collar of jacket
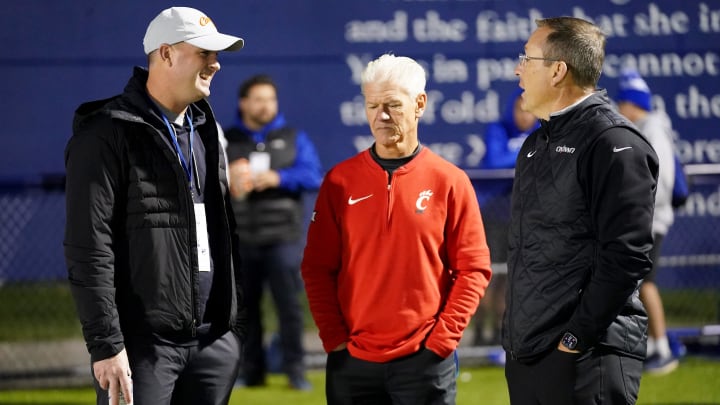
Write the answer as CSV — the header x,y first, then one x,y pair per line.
x,y
560,125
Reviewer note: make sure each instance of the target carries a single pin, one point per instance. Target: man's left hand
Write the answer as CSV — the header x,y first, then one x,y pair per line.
x,y
562,348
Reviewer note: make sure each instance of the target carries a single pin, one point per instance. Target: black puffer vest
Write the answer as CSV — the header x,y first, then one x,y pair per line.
x,y
273,215
554,242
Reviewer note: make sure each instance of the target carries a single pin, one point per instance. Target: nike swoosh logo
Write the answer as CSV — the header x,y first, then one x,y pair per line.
x,y
357,200
616,149
531,154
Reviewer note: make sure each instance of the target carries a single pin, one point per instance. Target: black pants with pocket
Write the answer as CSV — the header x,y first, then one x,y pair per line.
x,y
560,378
164,374
418,379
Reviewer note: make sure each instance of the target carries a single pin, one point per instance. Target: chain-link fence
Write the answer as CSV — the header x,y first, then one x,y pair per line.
x,y
40,338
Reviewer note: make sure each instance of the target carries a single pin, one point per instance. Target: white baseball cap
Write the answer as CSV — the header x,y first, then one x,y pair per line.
x,y
178,24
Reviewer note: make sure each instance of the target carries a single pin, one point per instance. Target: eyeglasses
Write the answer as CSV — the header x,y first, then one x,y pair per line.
x,y
523,59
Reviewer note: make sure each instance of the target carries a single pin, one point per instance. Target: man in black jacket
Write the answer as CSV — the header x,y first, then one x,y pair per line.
x,y
149,234
581,230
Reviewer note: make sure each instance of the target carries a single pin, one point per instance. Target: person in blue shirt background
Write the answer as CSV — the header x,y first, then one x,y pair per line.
x,y
503,140
271,166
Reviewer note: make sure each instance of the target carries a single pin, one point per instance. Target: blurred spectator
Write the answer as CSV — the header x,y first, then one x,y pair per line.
x,y
503,140
634,102
271,165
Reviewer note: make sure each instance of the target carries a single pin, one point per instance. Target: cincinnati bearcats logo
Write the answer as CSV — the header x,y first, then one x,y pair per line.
x,y
421,202
205,21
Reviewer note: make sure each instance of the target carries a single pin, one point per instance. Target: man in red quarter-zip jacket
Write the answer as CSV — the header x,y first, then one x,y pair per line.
x,y
396,259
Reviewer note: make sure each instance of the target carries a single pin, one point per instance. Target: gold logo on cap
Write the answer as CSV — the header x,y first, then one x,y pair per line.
x,y
205,21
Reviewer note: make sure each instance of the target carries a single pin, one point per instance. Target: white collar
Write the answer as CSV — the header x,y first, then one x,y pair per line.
x,y
570,107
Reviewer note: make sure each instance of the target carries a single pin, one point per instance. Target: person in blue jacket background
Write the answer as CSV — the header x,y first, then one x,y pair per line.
x,y
503,140
271,166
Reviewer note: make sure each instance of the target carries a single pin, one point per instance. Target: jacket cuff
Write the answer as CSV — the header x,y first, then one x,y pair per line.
x,y
437,347
331,344
585,341
104,350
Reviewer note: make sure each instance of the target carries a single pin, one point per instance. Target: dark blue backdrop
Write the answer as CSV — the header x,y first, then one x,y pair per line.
x,y
58,54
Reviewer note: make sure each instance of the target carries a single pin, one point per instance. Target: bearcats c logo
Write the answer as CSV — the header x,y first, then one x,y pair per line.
x,y
420,203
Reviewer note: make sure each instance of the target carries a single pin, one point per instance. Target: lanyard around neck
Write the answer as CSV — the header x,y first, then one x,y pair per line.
x,y
186,166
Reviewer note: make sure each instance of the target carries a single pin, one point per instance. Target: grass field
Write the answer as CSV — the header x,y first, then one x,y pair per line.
x,y
46,312
41,311
694,382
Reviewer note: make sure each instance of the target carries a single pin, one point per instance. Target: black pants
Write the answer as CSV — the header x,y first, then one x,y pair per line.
x,y
174,375
278,265
559,378
422,378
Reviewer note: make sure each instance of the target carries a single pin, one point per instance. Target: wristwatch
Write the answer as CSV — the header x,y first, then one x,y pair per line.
x,y
569,340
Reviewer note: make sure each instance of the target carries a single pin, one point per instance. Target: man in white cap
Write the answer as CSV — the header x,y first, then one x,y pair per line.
x,y
149,238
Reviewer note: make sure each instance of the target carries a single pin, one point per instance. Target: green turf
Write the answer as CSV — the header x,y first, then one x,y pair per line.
x,y
691,307
694,382
37,311
45,311
69,396
42,311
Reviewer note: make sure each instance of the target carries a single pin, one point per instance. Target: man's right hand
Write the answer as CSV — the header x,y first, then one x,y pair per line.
x,y
113,374
240,178
341,346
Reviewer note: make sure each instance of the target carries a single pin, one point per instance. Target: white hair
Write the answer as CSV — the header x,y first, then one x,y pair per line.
x,y
400,70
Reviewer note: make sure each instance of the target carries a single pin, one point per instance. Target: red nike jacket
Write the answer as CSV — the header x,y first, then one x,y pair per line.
x,y
392,266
